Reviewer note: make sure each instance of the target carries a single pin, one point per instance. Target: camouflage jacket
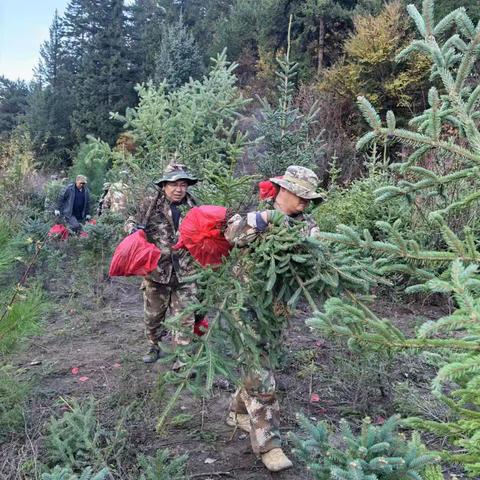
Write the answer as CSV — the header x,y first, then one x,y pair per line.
x,y
161,232
115,199
243,229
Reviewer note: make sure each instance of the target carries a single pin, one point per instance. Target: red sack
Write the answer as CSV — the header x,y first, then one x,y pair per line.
x,y
201,234
58,231
134,256
83,233
200,328
268,189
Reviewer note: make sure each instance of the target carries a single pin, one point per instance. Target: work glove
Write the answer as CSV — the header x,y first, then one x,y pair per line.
x,y
272,216
88,217
57,213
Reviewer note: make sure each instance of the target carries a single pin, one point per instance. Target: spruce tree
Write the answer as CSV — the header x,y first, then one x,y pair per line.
x,y
376,453
13,104
97,42
286,132
51,101
179,58
318,17
446,134
145,23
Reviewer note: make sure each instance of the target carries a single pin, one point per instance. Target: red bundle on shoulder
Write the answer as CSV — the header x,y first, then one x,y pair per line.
x,y
201,233
267,189
135,255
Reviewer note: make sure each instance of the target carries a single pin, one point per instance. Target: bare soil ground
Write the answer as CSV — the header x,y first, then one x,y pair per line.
x,y
106,342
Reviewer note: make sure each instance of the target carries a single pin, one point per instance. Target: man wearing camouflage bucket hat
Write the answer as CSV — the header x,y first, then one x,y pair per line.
x,y
254,407
165,288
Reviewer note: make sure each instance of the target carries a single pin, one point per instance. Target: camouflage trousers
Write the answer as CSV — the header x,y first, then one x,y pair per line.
x,y
158,298
257,398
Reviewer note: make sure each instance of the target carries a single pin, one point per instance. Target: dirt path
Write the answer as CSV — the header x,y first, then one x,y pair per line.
x,y
104,341
106,346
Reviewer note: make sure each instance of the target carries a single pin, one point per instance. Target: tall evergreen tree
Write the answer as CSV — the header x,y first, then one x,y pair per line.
x,y
202,18
146,19
13,103
51,103
320,17
179,58
103,83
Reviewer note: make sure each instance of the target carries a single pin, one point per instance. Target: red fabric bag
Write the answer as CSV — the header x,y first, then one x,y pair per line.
x,y
267,189
58,231
83,233
200,328
201,234
134,256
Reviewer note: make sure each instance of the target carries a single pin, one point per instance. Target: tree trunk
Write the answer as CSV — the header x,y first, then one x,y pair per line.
x,y
321,45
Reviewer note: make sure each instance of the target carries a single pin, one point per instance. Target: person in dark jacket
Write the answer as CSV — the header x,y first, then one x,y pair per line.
x,y
74,204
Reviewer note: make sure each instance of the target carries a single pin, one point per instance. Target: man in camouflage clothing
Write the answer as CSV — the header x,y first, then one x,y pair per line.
x,y
115,196
254,407
165,288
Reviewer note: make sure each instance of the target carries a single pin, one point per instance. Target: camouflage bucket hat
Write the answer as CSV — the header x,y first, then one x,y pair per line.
x,y
176,172
300,181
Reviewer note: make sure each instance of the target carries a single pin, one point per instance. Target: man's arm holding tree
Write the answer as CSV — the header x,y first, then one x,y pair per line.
x,y
244,229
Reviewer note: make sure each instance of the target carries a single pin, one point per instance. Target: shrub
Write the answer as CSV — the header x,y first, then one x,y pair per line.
x,y
22,317
92,160
77,440
13,395
378,452
61,473
162,466
356,206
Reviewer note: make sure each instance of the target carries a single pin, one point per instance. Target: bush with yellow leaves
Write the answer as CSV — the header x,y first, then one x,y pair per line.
x,y
368,67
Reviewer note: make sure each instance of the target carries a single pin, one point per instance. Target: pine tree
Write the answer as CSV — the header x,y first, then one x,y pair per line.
x,y
196,122
448,133
202,18
162,466
61,473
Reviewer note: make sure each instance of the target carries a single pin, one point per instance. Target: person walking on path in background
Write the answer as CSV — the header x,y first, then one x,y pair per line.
x,y
74,204
254,407
165,288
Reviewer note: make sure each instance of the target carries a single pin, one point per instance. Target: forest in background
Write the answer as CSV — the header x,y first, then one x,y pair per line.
x,y
384,105
97,53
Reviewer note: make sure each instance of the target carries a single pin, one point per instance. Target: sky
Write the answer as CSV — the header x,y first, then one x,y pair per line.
x,y
24,26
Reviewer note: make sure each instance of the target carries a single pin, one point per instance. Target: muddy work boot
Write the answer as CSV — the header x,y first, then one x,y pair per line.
x,y
152,355
275,460
239,420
